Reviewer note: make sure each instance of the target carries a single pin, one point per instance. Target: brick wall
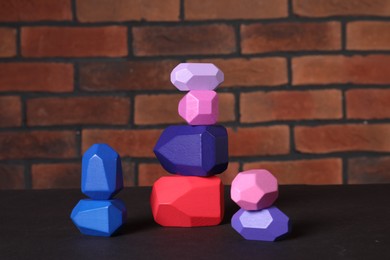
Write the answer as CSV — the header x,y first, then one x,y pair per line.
x,y
306,93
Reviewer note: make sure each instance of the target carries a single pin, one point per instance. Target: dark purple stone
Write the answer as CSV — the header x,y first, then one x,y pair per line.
x,y
193,150
264,225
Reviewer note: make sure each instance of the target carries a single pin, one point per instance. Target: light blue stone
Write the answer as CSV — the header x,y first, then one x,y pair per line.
x,y
99,217
101,176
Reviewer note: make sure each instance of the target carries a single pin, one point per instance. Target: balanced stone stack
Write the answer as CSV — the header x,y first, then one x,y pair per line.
x,y
101,179
255,191
194,153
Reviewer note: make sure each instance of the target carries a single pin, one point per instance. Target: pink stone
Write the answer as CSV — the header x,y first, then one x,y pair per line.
x,y
254,189
199,107
196,76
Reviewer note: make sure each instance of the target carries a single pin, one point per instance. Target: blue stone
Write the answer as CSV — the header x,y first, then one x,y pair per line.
x,y
99,217
267,224
101,176
193,150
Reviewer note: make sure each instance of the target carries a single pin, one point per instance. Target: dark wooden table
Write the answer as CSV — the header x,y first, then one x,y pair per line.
x,y
329,222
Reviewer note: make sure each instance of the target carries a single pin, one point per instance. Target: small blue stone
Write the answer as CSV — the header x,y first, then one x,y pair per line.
x,y
101,176
193,150
99,217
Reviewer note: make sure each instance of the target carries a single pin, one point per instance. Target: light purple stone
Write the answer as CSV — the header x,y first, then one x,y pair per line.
x,y
263,225
196,76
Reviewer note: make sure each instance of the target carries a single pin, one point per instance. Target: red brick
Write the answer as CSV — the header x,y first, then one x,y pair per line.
x,y
128,173
368,36
7,42
342,138
234,9
78,110
108,41
11,176
337,69
184,40
11,111
368,103
260,38
326,8
127,10
317,171
34,76
128,143
251,72
157,109
227,105
255,141
38,144
364,170
56,176
162,109
290,105
149,173
230,173
140,75
37,10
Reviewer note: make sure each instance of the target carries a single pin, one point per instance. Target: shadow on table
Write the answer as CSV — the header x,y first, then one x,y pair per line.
x,y
136,225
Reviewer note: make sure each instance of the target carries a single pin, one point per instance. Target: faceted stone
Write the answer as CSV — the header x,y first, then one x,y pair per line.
x,y
193,150
99,217
263,225
187,201
196,76
199,107
101,176
254,189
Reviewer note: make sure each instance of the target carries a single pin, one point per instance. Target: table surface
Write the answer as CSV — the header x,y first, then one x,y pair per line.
x,y
329,222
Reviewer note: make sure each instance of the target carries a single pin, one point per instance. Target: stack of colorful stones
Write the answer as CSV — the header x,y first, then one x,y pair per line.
x,y
255,191
101,179
194,153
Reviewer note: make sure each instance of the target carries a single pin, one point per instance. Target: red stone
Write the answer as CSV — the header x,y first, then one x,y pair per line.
x,y
187,201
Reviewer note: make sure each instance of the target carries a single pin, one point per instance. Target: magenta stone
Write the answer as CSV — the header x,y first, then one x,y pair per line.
x,y
263,225
196,76
254,189
199,107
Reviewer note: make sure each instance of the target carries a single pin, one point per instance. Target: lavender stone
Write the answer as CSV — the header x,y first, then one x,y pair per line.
x,y
264,225
196,76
